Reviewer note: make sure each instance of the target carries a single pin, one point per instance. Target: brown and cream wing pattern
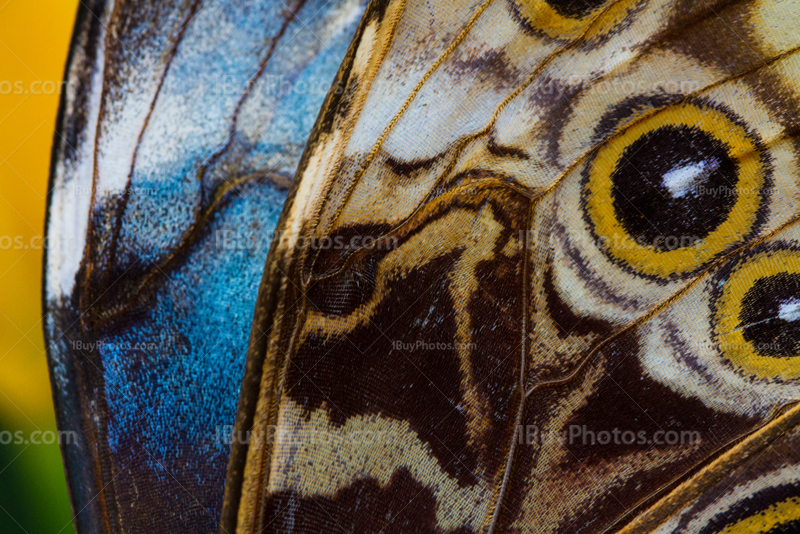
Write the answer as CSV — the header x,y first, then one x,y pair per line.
x,y
539,273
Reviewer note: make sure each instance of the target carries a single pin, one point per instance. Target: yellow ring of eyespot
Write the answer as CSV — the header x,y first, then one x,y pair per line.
x,y
734,347
648,259
765,520
541,16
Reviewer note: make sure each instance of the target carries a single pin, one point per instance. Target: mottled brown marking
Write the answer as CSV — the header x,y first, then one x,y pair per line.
x,y
404,506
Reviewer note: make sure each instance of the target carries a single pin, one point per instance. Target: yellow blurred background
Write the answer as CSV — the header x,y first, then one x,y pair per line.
x,y
34,40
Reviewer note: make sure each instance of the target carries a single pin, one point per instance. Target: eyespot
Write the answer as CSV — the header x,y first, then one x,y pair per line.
x,y
676,190
569,19
757,316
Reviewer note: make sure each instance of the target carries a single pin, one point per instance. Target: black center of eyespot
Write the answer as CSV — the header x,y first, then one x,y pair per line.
x,y
770,315
674,186
575,9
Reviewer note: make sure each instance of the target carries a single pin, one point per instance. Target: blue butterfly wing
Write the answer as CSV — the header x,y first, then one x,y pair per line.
x,y
180,129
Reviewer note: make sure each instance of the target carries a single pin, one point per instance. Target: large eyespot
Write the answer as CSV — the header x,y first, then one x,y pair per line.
x,y
757,316
568,19
674,191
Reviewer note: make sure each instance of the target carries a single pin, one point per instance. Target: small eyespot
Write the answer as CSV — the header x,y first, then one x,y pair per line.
x,y
757,316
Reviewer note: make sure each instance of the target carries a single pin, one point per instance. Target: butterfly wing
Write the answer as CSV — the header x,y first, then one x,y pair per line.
x,y
509,254
179,134
753,487
758,491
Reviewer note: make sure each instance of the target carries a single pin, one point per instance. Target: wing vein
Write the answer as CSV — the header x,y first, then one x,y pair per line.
x,y
516,433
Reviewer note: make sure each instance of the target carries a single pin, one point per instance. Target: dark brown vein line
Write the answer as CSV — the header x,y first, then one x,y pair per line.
x,y
249,89
659,493
348,122
202,214
644,116
88,247
221,194
486,130
487,183
263,474
660,307
788,134
92,430
512,450
351,186
275,285
123,204
714,472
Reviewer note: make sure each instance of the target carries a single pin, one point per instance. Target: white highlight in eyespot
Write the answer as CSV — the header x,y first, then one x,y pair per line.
x,y
789,310
683,179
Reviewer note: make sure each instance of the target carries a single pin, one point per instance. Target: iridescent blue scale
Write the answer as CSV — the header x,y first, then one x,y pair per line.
x,y
179,135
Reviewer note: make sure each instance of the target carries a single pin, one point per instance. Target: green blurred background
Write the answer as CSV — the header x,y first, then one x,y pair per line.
x,y
34,39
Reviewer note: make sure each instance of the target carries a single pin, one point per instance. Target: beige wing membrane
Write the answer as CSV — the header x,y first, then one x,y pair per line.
x,y
539,273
